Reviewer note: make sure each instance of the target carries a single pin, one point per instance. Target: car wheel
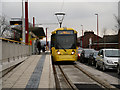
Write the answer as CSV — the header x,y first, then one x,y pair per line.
x,y
103,67
118,70
88,62
97,66
92,63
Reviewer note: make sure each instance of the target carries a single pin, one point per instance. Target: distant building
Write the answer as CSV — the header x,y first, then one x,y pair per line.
x,y
108,41
88,39
119,24
119,38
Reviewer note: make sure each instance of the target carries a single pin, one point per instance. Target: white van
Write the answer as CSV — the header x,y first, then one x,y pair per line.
x,y
107,59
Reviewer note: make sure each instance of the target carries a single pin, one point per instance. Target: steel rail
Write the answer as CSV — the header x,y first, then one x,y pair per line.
x,y
56,78
73,87
105,84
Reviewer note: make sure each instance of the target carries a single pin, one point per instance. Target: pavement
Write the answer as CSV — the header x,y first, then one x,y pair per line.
x,y
35,72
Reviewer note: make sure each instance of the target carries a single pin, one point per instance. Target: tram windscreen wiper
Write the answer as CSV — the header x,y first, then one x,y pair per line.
x,y
60,46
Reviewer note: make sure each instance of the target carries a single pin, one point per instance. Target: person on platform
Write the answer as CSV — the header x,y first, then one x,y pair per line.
x,y
39,46
43,48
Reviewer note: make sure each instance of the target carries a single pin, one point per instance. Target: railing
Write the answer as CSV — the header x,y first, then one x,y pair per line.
x,y
13,52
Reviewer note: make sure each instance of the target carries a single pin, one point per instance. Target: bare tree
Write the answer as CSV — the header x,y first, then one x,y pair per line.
x,y
104,33
4,25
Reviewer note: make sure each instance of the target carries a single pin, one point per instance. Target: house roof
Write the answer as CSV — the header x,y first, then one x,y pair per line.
x,y
109,39
88,33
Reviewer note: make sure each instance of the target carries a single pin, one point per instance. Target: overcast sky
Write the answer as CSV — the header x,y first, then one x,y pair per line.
x,y
77,13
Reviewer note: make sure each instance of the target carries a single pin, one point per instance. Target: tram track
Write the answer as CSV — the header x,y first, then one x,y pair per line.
x,y
104,84
101,83
66,80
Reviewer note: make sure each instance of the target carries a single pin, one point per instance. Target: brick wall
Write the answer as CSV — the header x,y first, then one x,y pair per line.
x,y
86,37
119,38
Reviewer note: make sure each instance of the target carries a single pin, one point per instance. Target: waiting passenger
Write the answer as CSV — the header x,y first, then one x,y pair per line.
x,y
39,46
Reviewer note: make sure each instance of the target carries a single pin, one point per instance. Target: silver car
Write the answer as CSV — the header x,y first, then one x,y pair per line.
x,y
118,66
107,59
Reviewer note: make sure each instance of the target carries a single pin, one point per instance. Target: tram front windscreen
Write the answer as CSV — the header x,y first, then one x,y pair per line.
x,y
65,42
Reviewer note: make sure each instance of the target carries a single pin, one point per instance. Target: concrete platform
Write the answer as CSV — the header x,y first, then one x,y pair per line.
x,y
34,72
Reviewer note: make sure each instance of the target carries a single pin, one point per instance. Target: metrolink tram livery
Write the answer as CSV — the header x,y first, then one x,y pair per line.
x,y
64,44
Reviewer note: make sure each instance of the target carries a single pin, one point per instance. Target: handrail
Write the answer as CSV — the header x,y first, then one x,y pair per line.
x,y
13,41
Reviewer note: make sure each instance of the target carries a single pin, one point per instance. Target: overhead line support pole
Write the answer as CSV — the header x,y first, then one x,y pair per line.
x,y
46,37
33,21
97,33
82,36
26,22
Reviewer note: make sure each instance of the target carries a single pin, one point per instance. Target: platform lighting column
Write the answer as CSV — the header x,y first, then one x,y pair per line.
x,y
60,17
23,23
46,38
97,33
26,22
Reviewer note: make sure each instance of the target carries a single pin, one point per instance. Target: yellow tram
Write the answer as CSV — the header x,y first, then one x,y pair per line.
x,y
64,44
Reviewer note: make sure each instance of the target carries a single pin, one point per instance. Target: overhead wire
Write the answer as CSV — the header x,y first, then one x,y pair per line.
x,y
62,6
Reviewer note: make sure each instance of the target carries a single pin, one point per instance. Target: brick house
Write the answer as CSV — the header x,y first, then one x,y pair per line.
x,y
109,41
119,38
88,39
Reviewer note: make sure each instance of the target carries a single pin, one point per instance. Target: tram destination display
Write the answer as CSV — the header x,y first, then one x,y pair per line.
x,y
65,32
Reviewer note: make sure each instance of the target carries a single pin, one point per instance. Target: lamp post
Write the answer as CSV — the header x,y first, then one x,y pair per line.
x,y
60,17
46,37
26,22
23,23
82,35
97,33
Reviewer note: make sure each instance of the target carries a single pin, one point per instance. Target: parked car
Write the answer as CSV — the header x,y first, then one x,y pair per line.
x,y
107,59
92,58
79,48
85,55
118,65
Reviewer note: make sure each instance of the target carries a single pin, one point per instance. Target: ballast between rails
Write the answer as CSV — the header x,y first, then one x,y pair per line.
x,y
101,82
67,80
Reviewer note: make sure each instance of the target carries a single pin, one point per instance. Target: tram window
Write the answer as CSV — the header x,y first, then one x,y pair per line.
x,y
66,42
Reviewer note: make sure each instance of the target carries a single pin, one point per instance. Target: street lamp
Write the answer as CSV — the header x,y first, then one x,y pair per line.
x,y
82,36
97,32
60,17
46,39
23,22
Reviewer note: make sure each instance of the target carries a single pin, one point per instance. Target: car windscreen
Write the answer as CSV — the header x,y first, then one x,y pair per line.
x,y
88,51
112,53
95,53
79,51
66,42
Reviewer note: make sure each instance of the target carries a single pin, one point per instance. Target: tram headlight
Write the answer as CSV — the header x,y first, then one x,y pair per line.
x,y
58,53
78,54
73,52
